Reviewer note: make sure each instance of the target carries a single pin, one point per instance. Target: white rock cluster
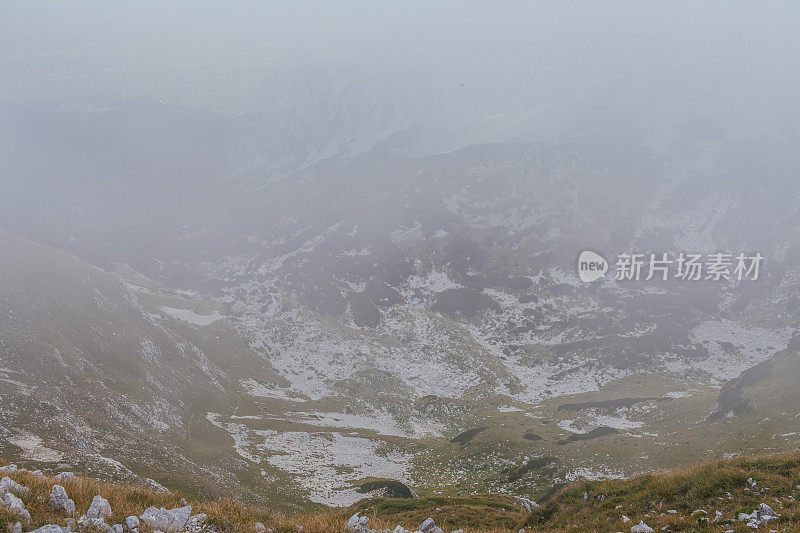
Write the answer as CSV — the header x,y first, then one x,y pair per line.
x,y
10,493
168,521
760,517
641,527
528,505
358,524
9,485
65,476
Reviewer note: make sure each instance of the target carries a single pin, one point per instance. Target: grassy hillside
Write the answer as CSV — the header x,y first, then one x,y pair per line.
x,y
680,500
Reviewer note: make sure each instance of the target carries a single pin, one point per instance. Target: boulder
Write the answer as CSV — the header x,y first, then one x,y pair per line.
x,y
9,485
641,527
358,524
65,476
429,526
196,523
765,510
60,501
132,523
167,520
99,509
16,507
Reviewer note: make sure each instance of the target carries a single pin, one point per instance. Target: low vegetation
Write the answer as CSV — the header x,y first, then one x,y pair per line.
x,y
705,497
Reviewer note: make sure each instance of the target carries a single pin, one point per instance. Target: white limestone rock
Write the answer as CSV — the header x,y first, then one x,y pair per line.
x,y
9,485
60,501
16,507
100,508
358,524
66,476
641,527
167,521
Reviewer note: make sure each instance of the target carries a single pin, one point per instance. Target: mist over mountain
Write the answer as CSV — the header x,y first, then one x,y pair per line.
x,y
284,250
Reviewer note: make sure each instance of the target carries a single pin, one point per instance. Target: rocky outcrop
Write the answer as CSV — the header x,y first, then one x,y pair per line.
x,y
168,521
60,501
358,524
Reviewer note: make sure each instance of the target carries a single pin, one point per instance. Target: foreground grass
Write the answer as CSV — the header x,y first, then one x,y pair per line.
x,y
693,493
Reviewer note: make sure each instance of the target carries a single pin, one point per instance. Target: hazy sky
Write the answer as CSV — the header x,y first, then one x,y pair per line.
x,y
532,42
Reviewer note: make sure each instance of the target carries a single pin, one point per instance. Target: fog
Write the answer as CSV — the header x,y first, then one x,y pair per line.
x,y
362,219
199,96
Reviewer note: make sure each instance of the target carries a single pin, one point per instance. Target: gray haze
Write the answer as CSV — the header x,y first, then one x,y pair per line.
x,y
228,219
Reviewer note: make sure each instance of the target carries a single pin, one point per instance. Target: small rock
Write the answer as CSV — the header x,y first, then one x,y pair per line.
x,y
50,528
765,510
528,505
353,523
196,523
427,526
66,476
260,528
641,527
132,523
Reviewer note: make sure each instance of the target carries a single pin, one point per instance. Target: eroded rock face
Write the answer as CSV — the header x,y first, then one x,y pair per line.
x,y
168,521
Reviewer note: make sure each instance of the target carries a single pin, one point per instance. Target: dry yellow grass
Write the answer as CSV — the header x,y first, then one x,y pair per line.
x,y
232,515
712,486
719,485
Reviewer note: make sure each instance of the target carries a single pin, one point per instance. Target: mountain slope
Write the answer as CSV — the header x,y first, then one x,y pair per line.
x,y
93,382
